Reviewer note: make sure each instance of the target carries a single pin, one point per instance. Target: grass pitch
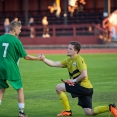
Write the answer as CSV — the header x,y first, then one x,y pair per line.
x,y
39,81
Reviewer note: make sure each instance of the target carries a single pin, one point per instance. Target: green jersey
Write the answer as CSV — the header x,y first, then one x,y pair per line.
x,y
11,50
75,66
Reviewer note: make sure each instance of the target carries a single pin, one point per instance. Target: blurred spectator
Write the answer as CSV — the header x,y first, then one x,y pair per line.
x,y
6,25
90,29
108,34
16,19
72,6
113,34
101,34
81,5
31,26
55,7
45,27
113,25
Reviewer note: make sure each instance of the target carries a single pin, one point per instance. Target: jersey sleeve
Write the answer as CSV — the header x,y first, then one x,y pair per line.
x,y
21,50
64,63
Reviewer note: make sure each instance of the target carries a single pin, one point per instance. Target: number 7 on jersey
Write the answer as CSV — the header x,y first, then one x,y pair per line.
x,y
5,50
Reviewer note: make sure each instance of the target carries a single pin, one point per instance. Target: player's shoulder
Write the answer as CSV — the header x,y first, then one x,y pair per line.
x,y
67,59
14,39
79,58
2,35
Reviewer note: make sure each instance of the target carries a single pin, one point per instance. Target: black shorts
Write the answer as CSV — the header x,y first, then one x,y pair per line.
x,y
84,94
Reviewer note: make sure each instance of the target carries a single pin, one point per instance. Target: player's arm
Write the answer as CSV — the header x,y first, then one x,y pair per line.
x,y
29,57
81,76
83,70
49,62
71,82
52,63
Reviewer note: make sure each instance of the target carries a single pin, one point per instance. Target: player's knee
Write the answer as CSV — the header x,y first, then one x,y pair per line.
x,y
57,87
20,90
89,113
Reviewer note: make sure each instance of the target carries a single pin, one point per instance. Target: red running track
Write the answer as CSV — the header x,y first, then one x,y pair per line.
x,y
90,51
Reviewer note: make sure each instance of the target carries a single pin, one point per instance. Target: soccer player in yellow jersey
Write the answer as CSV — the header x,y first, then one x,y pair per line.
x,y
78,84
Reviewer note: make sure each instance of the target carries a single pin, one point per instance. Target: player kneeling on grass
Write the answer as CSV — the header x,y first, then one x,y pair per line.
x,y
11,50
78,85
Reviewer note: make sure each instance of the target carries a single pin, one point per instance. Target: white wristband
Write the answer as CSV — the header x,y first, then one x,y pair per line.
x,y
74,80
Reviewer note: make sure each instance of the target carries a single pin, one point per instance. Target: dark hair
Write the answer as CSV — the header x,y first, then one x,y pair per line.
x,y
77,45
13,24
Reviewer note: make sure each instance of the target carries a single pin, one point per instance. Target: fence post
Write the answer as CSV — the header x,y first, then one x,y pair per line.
x,y
54,35
74,32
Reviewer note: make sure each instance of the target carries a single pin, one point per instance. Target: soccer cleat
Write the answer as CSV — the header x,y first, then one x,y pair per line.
x,y
112,108
65,113
22,114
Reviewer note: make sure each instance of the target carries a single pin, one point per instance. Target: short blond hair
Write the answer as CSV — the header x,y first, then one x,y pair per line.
x,y
13,24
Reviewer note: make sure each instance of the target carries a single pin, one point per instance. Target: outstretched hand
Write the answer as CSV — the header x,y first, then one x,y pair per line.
x,y
41,56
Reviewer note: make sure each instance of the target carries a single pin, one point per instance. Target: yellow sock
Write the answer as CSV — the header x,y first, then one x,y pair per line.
x,y
101,109
64,101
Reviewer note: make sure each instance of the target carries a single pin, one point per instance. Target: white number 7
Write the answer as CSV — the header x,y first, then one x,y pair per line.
x,y
5,50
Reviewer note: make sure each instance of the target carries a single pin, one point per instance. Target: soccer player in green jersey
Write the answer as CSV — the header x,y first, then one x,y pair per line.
x,y
11,50
78,84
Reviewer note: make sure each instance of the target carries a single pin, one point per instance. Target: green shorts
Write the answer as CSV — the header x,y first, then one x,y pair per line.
x,y
16,84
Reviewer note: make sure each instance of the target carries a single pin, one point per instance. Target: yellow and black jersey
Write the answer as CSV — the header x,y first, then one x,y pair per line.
x,y
75,66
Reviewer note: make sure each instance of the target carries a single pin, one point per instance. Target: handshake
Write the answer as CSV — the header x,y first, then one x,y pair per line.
x,y
41,56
